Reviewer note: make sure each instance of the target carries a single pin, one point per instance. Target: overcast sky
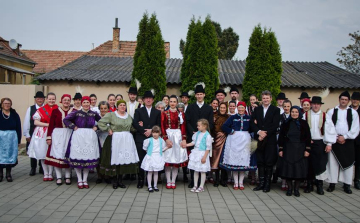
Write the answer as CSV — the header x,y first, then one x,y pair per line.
x,y
307,30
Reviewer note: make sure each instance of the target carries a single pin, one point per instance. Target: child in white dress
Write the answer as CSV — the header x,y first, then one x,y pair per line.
x,y
154,161
199,159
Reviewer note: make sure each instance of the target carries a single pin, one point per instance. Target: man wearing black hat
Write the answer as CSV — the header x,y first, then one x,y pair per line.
x,y
342,127
185,99
29,126
150,117
355,101
234,94
195,112
132,104
303,96
280,100
220,95
77,101
265,122
318,158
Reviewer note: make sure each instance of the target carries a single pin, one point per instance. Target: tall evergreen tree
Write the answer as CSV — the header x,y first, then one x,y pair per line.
x,y
263,64
200,62
149,58
185,66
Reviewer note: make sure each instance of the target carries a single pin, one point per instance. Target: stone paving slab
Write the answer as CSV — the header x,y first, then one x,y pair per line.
x,y
29,199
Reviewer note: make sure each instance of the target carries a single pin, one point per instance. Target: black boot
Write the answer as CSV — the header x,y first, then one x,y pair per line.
x,y
185,178
114,182
290,188
140,182
267,184
119,183
309,187
296,189
275,178
216,181
260,186
1,174
319,187
8,174
331,188
223,181
357,184
191,184
347,189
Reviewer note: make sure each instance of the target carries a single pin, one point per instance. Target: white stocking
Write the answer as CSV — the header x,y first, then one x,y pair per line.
x,y
149,178
236,177
168,173
155,178
45,168
58,172
196,178
51,169
174,174
242,175
67,172
79,175
85,174
202,180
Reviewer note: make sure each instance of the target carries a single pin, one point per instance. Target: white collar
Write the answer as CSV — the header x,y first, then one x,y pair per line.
x,y
123,117
315,113
132,102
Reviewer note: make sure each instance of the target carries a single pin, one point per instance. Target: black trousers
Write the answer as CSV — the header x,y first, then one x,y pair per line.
x,y
317,160
267,156
357,162
142,154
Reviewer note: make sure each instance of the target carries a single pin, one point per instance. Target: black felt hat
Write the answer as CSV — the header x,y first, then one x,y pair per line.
x,y
316,100
77,96
185,94
220,91
199,89
355,95
345,94
39,94
234,89
281,96
133,90
148,94
304,95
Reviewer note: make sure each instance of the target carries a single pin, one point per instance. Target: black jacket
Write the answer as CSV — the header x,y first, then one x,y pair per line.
x,y
269,123
357,139
193,114
148,122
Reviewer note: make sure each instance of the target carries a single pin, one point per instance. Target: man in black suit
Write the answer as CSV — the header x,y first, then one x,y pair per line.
x,y
355,102
264,124
193,113
149,117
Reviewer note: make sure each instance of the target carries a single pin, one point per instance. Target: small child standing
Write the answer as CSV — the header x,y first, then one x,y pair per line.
x,y
153,161
199,159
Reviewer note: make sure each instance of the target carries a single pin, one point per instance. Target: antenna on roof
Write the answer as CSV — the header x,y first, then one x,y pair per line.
x,y
13,44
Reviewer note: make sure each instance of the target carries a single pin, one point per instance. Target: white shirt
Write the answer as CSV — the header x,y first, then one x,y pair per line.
x,y
200,104
132,108
148,110
315,130
281,110
265,109
26,125
341,128
185,108
156,145
209,141
95,109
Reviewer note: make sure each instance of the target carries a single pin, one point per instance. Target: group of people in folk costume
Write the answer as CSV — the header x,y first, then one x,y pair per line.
x,y
121,139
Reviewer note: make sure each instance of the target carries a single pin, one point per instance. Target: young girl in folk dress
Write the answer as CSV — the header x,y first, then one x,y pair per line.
x,y
199,159
154,161
38,146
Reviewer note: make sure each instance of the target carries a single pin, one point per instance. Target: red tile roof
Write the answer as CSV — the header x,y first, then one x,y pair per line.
x,y
127,49
6,50
49,60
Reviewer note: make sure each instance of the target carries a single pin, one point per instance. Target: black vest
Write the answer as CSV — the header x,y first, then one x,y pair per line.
x,y
349,117
32,125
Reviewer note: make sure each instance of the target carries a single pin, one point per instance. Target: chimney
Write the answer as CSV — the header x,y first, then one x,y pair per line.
x,y
116,37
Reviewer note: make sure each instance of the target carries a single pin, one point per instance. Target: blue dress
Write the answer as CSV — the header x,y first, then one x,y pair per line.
x,y
10,137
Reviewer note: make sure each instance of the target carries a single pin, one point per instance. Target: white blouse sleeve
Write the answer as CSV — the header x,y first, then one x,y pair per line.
x,y
330,131
146,144
163,143
194,137
354,130
37,116
209,141
26,125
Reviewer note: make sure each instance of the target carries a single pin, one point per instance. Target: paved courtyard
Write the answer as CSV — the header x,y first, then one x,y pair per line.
x,y
29,199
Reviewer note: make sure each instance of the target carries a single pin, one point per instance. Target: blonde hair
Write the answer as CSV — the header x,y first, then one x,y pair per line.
x,y
205,122
156,129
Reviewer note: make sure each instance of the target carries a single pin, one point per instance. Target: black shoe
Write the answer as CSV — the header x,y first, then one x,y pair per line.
x,y
140,184
121,185
296,193
9,178
185,178
156,189
1,178
331,188
99,181
261,184
127,177
267,185
108,181
347,189
223,183
32,172
275,178
59,184
357,184
309,187
216,184
319,187
289,192
68,183
114,182
133,177
151,190
191,184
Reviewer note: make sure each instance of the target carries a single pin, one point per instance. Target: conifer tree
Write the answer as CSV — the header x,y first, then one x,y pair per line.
x,y
149,58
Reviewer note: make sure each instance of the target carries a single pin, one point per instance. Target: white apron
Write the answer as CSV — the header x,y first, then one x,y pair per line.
x,y
237,149
38,146
102,137
123,149
176,154
59,142
84,145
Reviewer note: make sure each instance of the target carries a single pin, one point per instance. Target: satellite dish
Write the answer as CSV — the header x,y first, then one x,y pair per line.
x,y
13,44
